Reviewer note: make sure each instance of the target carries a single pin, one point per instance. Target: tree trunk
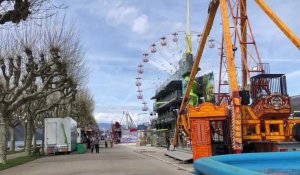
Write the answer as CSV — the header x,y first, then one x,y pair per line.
x,y
3,144
12,138
33,139
25,134
43,137
57,112
29,135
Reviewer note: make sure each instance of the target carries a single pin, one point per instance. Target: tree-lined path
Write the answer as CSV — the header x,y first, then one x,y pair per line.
x,y
122,159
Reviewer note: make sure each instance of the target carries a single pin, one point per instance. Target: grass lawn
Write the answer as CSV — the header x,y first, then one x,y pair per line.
x,y
18,161
14,152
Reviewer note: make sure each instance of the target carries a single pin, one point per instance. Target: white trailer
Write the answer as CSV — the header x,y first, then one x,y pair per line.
x,y
60,135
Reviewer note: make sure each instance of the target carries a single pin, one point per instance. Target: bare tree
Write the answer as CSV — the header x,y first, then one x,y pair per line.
x,y
39,106
82,109
15,11
35,64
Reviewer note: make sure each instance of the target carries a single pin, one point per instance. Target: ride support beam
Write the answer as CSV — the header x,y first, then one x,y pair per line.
x,y
185,101
220,74
185,124
243,14
280,24
236,125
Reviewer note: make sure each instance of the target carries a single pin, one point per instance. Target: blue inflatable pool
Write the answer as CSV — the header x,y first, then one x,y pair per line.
x,y
279,163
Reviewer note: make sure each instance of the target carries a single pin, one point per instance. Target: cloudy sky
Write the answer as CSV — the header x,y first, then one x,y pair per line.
x,y
115,34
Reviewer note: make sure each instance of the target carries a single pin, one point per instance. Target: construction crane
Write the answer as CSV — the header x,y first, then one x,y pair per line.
x,y
265,118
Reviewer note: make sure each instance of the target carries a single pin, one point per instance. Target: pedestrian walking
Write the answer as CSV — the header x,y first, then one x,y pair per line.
x,y
97,142
92,144
111,142
106,141
88,141
168,142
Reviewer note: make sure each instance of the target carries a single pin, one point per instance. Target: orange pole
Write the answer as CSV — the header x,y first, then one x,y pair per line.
x,y
280,24
281,130
267,125
243,12
236,128
257,129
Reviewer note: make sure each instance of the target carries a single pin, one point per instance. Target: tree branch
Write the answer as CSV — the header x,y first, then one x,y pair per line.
x,y
20,12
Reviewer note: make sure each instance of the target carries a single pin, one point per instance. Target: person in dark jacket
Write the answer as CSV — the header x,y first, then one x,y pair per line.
x,y
97,142
92,144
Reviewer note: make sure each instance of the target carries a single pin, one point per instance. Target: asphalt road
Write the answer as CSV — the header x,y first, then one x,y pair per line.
x,y
120,160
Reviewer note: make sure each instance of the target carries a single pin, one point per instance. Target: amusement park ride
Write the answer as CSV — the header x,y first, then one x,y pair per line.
x,y
255,113
124,130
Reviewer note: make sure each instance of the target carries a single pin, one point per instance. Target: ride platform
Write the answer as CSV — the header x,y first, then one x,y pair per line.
x,y
183,156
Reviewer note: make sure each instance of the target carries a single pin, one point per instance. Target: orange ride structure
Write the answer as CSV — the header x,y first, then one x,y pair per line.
x,y
258,110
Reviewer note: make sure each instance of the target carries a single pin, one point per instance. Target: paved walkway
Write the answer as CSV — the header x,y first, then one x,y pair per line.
x,y
124,159
159,154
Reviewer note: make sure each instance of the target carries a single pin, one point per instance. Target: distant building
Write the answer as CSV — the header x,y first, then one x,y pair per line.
x,y
168,97
167,103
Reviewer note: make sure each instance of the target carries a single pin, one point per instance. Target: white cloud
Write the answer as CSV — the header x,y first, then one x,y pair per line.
x,y
293,74
117,13
129,16
122,14
140,24
107,117
177,26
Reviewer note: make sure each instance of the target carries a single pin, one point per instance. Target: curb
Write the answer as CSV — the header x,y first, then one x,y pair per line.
x,y
157,158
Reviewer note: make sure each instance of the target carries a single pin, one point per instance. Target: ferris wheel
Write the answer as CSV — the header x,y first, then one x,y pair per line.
x,y
161,60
